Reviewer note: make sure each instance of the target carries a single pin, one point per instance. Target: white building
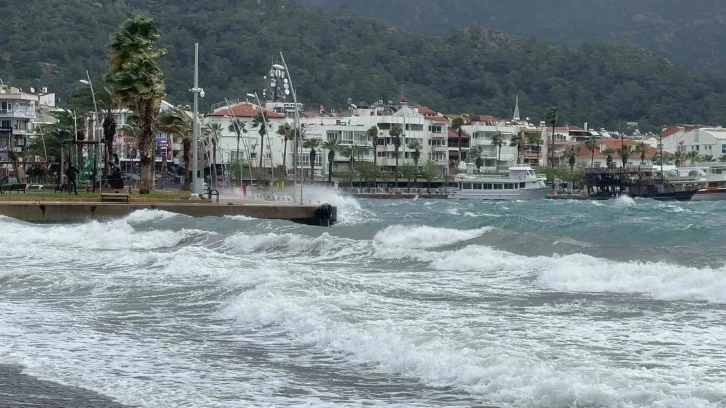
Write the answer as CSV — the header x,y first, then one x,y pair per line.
x,y
707,141
17,114
483,129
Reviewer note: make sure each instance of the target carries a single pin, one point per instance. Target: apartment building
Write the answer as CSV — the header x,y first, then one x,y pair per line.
x,y
17,114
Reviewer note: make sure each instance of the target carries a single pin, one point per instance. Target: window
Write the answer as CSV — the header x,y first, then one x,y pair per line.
x,y
414,127
332,135
497,186
723,148
467,186
384,126
6,124
477,186
521,185
435,129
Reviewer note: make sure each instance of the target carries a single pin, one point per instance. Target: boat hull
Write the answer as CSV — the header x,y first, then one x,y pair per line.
x,y
670,196
523,194
710,195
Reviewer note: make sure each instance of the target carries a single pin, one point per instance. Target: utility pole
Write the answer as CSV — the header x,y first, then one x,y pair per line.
x,y
196,186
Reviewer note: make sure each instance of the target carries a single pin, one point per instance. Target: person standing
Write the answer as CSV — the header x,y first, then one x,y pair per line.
x,y
72,172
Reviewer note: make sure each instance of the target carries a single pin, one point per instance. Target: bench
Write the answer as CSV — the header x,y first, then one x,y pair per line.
x,y
13,187
105,197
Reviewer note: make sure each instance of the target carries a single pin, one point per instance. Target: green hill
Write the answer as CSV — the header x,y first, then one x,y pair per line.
x,y
690,32
333,58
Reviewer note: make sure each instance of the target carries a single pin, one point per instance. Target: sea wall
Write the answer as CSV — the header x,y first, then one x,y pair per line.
x,y
59,211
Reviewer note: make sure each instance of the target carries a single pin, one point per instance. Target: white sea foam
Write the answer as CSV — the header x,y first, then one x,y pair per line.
x,y
413,236
143,216
623,201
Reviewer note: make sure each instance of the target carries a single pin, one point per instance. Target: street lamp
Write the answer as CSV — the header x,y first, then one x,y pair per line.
x,y
196,190
297,124
88,82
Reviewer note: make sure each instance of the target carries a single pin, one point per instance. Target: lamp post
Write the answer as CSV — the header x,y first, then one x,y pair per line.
x,y
297,124
196,190
88,82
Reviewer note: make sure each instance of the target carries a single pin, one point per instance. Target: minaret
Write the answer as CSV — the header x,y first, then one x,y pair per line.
x,y
516,110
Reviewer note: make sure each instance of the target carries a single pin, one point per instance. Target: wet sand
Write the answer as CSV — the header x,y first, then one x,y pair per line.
x,y
21,390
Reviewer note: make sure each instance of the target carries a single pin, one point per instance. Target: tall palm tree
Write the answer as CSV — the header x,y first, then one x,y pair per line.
x,y
722,158
535,139
258,122
642,148
416,156
692,156
457,124
288,133
238,127
591,145
516,141
373,133
624,154
677,156
331,146
350,152
176,122
476,154
609,153
551,117
311,144
396,133
498,141
137,81
571,153
213,131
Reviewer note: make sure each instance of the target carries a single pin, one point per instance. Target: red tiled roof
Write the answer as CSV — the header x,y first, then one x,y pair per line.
x,y
312,114
575,128
438,118
483,118
454,134
243,110
424,110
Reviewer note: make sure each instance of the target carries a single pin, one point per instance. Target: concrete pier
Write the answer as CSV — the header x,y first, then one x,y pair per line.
x,y
74,211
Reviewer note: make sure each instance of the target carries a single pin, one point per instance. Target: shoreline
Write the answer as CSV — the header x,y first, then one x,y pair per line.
x,y
18,389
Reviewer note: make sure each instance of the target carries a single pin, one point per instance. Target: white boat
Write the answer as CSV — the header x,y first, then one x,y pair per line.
x,y
711,177
522,183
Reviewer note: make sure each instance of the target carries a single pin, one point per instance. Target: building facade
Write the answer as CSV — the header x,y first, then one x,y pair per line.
x,y
17,115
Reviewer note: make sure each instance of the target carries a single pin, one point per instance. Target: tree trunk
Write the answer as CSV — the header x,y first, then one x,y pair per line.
x,y
187,146
331,158
147,145
499,154
109,132
395,185
553,145
262,148
313,153
284,156
375,161
214,162
592,160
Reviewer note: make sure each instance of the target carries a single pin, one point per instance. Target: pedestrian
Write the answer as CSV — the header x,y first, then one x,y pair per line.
x,y
72,172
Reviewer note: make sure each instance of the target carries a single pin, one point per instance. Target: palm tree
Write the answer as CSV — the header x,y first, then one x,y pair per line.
x,y
288,133
572,152
350,152
722,158
642,148
707,158
692,156
516,141
609,153
416,156
591,145
373,133
213,132
457,125
176,122
331,146
476,154
534,139
137,81
258,122
624,153
498,141
396,133
312,144
238,127
552,117
677,156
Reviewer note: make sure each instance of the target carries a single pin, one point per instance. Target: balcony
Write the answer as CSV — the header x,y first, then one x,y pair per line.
x,y
440,148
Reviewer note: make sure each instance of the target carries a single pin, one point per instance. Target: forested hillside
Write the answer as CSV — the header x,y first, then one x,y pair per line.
x,y
689,32
336,58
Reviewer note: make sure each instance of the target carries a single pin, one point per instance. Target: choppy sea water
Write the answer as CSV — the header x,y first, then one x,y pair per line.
x,y
409,303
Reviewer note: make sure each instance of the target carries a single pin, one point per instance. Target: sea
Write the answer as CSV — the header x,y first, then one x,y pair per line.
x,y
403,303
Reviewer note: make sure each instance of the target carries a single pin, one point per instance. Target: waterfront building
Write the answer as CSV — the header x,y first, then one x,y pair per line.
x,y
709,142
17,114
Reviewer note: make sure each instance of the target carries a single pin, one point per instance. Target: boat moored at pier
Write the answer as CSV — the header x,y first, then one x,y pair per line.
x,y
522,183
